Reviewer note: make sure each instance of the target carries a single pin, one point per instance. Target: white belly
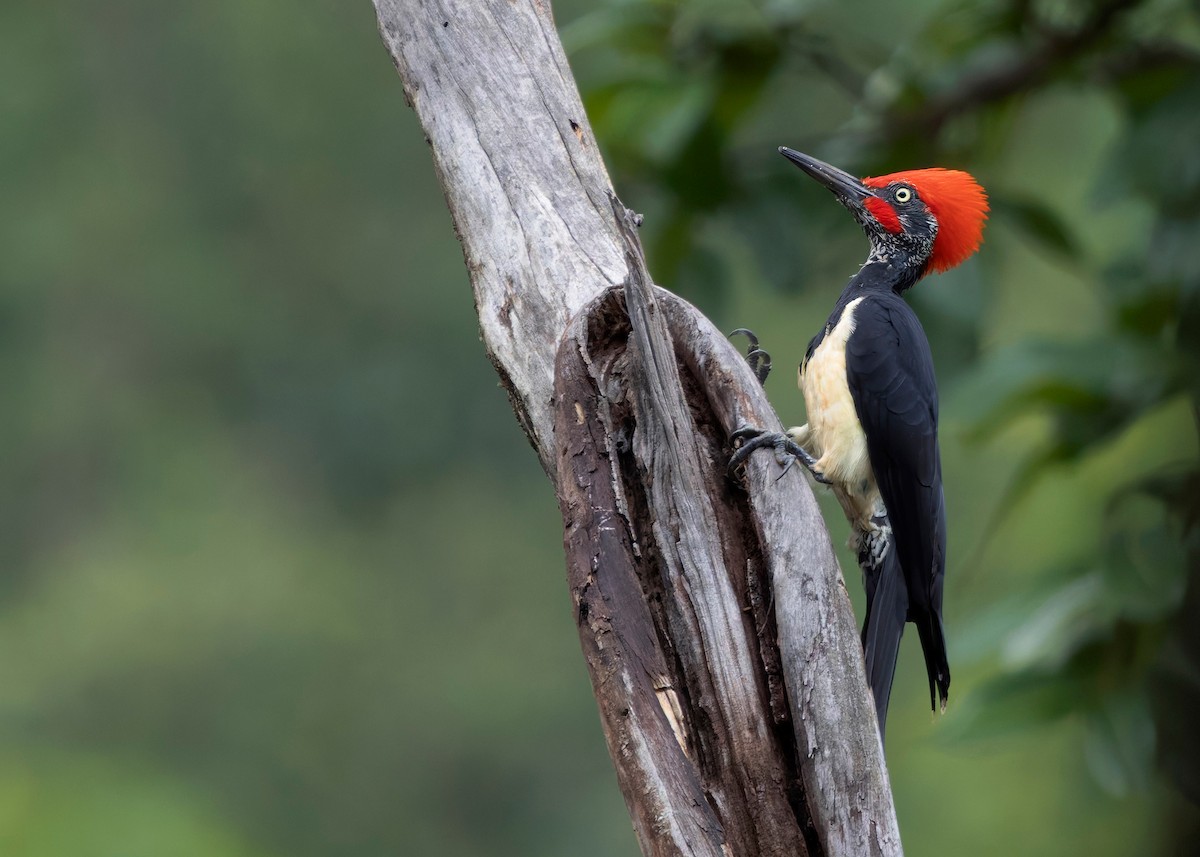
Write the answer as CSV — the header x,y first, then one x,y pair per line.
x,y
834,435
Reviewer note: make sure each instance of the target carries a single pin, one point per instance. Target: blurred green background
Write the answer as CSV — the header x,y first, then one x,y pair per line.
x,y
264,589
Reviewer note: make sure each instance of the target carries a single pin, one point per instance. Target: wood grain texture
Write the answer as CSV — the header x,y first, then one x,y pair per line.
x,y
637,688
735,729
832,712
522,176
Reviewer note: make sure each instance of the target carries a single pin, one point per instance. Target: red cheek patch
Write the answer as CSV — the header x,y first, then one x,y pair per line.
x,y
883,212
954,198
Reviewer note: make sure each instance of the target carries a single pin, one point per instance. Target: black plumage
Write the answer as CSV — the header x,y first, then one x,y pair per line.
x,y
889,370
872,401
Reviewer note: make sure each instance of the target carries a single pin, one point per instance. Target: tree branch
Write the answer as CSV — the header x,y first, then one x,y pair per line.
x,y
1000,81
733,732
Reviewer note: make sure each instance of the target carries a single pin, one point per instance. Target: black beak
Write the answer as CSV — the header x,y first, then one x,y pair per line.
x,y
848,189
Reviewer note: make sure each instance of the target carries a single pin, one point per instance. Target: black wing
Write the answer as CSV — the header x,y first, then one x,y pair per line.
x,y
889,370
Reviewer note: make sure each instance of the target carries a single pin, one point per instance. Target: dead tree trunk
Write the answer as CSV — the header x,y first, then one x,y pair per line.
x,y
716,628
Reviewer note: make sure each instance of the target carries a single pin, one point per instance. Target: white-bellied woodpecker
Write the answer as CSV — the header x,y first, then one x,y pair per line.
x,y
872,404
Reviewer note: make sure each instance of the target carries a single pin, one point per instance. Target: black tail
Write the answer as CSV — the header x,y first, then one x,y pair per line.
x,y
887,607
933,644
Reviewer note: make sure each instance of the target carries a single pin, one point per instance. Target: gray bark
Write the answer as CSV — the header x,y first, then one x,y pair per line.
x,y
720,641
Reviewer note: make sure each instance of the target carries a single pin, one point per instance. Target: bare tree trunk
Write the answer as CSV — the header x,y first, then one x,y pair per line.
x,y
720,641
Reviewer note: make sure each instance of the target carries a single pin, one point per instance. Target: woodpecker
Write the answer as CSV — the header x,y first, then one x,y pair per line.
x,y
872,404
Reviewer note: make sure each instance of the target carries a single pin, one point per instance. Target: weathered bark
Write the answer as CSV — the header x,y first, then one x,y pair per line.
x,y
719,638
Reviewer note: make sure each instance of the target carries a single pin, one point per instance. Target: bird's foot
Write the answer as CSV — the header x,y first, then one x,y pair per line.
x,y
787,451
759,360
875,542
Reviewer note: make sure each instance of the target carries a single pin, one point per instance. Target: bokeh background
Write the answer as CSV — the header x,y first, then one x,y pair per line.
x,y
279,574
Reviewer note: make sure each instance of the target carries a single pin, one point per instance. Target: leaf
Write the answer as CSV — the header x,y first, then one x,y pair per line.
x,y
1042,625
1093,387
1064,621
627,27
654,122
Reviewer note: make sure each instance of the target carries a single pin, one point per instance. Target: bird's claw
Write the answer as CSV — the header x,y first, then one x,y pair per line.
x,y
759,360
787,451
875,543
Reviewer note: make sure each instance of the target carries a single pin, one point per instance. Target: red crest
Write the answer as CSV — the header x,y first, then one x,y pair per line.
x,y
956,200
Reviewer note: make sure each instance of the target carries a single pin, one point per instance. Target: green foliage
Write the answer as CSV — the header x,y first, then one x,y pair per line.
x,y
257,598
1096,390
258,595
1098,385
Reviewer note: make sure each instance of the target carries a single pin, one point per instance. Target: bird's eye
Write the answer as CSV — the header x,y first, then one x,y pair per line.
x,y
903,194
